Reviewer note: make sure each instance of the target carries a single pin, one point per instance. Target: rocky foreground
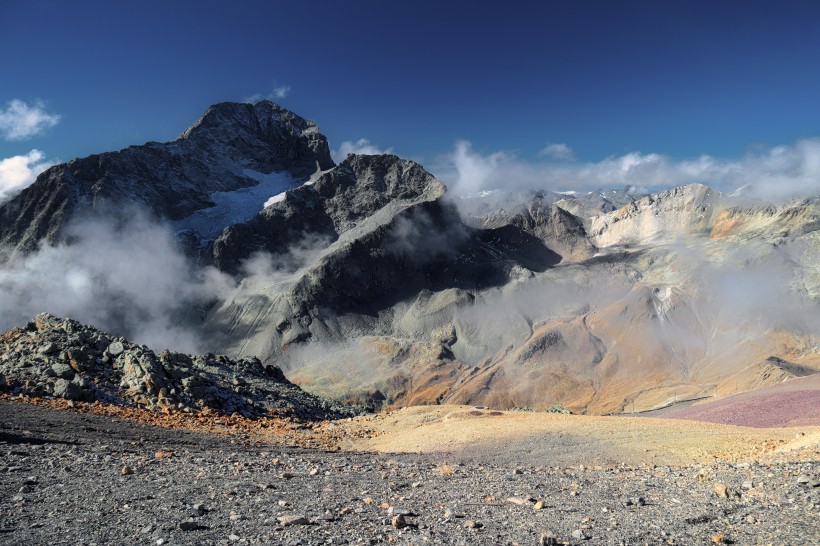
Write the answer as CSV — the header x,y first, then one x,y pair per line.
x,y
68,478
61,358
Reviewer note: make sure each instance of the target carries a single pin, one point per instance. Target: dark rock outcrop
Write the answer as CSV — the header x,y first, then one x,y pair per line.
x,y
65,359
335,203
559,230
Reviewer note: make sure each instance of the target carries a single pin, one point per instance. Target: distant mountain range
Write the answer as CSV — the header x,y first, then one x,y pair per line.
x,y
384,286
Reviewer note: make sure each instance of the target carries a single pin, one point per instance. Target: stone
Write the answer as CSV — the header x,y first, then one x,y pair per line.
x,y
62,371
233,538
196,511
292,519
189,526
49,348
472,524
116,348
581,534
63,388
127,471
398,522
721,490
548,539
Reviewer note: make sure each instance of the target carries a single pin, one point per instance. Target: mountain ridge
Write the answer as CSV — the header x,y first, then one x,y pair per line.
x,y
367,277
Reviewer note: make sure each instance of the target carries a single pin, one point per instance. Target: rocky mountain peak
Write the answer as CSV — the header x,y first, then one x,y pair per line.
x,y
262,124
231,147
331,204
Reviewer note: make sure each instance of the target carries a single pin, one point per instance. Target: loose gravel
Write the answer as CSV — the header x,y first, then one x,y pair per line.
x,y
68,478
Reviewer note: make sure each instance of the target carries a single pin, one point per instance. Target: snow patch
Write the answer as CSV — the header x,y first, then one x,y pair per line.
x,y
279,197
238,206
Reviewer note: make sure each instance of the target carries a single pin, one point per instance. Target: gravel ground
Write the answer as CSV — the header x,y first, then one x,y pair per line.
x,y
68,478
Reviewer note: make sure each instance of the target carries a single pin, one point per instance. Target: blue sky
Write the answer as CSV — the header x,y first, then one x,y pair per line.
x,y
504,81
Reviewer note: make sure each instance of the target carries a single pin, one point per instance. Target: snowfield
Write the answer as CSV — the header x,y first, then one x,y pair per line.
x,y
234,207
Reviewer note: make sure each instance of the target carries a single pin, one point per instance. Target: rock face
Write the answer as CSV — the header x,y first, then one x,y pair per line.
x,y
230,147
390,237
335,203
62,358
658,218
558,229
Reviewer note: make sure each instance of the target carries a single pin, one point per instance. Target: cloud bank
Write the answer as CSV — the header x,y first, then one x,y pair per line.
x,y
20,121
772,174
20,171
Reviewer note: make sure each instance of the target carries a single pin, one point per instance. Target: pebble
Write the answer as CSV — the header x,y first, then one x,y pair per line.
x,y
581,534
398,522
548,539
471,524
188,526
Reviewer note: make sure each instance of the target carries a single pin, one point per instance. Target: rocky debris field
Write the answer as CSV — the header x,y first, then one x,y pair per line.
x,y
61,358
70,478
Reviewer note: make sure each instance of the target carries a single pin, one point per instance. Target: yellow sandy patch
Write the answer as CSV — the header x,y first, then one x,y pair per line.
x,y
576,439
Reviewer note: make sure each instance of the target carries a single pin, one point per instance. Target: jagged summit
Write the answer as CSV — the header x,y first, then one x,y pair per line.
x,y
232,146
262,124
335,202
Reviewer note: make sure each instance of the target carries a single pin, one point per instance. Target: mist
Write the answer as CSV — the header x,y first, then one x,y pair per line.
x,y
126,275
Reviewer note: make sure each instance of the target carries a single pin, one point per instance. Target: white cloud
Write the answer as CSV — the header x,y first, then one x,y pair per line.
x,y
278,92
362,146
776,173
559,152
19,121
281,91
19,171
